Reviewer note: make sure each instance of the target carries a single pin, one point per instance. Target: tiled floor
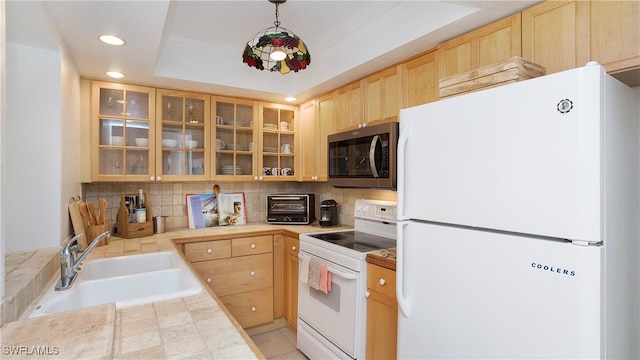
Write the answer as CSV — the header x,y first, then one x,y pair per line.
x,y
278,344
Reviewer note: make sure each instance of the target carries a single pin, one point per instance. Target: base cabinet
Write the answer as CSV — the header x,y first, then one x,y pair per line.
x,y
292,246
240,272
382,313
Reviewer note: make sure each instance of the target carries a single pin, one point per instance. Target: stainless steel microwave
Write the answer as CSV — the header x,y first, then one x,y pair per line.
x,y
364,158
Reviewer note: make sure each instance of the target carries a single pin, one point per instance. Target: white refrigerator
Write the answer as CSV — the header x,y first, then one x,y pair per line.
x,y
519,222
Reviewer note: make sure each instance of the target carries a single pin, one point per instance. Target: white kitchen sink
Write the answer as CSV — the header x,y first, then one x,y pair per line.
x,y
128,265
126,281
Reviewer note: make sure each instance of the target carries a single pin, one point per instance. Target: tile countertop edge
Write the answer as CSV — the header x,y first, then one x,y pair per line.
x,y
172,240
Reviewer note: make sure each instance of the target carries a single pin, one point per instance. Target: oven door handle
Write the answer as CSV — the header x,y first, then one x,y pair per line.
x,y
336,272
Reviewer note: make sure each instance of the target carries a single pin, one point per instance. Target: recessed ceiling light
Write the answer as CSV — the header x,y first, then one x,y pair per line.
x,y
111,40
289,98
116,74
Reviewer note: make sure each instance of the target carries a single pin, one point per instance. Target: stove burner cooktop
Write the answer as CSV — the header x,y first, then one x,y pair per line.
x,y
357,240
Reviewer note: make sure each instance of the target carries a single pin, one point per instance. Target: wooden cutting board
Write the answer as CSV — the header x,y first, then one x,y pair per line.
x,y
76,221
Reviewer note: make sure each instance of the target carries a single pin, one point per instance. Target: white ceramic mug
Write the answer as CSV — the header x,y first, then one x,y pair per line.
x,y
219,144
287,172
286,148
284,126
275,171
250,146
219,120
266,171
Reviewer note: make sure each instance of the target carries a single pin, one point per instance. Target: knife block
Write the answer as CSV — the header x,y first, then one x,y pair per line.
x,y
130,230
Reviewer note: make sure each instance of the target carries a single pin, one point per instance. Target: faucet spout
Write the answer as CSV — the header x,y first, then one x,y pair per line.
x,y
69,262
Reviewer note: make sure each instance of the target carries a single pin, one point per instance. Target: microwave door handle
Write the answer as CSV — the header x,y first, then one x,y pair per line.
x,y
372,156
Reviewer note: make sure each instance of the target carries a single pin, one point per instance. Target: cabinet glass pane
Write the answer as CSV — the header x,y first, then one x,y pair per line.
x,y
194,163
194,111
244,115
270,118
172,108
137,162
172,162
137,105
111,161
137,133
225,163
172,136
111,102
111,132
194,137
225,113
244,164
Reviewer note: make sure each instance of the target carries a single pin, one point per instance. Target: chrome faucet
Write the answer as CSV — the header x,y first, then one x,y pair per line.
x,y
69,261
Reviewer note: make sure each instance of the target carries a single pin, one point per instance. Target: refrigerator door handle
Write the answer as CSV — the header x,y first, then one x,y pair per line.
x,y
402,143
403,304
372,156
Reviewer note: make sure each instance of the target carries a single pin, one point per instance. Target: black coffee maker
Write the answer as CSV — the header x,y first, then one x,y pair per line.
x,y
328,213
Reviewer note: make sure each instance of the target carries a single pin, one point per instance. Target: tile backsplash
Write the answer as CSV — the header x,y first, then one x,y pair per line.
x,y
169,199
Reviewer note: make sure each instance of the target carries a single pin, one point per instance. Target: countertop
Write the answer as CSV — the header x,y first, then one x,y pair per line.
x,y
385,258
197,326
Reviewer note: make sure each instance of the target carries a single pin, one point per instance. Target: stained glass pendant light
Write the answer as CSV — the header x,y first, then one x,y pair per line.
x,y
276,49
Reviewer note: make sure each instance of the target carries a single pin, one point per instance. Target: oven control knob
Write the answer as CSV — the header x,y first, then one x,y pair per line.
x,y
209,251
253,246
253,273
253,309
209,280
382,282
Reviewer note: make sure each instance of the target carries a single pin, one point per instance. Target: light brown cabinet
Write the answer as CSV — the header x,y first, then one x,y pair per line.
x,y
614,34
317,122
382,313
383,93
122,132
420,80
241,273
349,106
494,42
234,138
277,142
182,136
292,247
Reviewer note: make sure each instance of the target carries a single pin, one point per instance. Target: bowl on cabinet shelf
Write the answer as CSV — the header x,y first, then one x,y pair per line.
x,y
117,140
142,142
169,143
191,144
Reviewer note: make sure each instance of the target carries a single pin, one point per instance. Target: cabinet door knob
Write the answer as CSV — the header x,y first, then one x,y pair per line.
x,y
253,309
366,294
152,178
253,246
159,178
255,178
382,282
293,248
209,280
209,251
253,273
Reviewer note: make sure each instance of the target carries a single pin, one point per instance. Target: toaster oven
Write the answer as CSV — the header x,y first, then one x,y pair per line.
x,y
291,209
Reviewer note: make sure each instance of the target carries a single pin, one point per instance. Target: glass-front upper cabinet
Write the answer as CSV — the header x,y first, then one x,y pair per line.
x,y
278,142
123,132
235,140
183,135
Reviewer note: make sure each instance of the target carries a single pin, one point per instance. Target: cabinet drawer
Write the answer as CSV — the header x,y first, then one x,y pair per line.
x,y
208,250
237,275
382,280
252,245
251,308
292,245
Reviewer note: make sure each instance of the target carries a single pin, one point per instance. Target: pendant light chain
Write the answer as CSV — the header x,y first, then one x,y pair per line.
x,y
277,22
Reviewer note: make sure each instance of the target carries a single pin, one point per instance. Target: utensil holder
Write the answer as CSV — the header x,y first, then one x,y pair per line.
x,y
92,231
129,230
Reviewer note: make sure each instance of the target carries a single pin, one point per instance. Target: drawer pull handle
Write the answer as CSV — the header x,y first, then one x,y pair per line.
x,y
382,282
253,273
209,251
253,246
209,280
253,309
293,248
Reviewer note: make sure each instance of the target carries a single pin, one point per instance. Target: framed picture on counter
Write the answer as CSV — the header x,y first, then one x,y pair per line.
x,y
202,210
231,209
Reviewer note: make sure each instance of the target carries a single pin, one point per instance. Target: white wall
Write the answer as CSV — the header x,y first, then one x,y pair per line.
x,y
2,116
32,145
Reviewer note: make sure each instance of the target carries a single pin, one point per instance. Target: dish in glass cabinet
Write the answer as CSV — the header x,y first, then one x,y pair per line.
x,y
270,126
270,149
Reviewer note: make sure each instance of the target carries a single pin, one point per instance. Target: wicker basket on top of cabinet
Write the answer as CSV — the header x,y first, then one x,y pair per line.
x,y
501,73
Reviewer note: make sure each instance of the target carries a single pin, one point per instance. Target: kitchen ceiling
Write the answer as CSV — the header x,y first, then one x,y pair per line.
x,y
197,45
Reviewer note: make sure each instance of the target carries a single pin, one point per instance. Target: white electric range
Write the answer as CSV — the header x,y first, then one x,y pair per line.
x,y
333,325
